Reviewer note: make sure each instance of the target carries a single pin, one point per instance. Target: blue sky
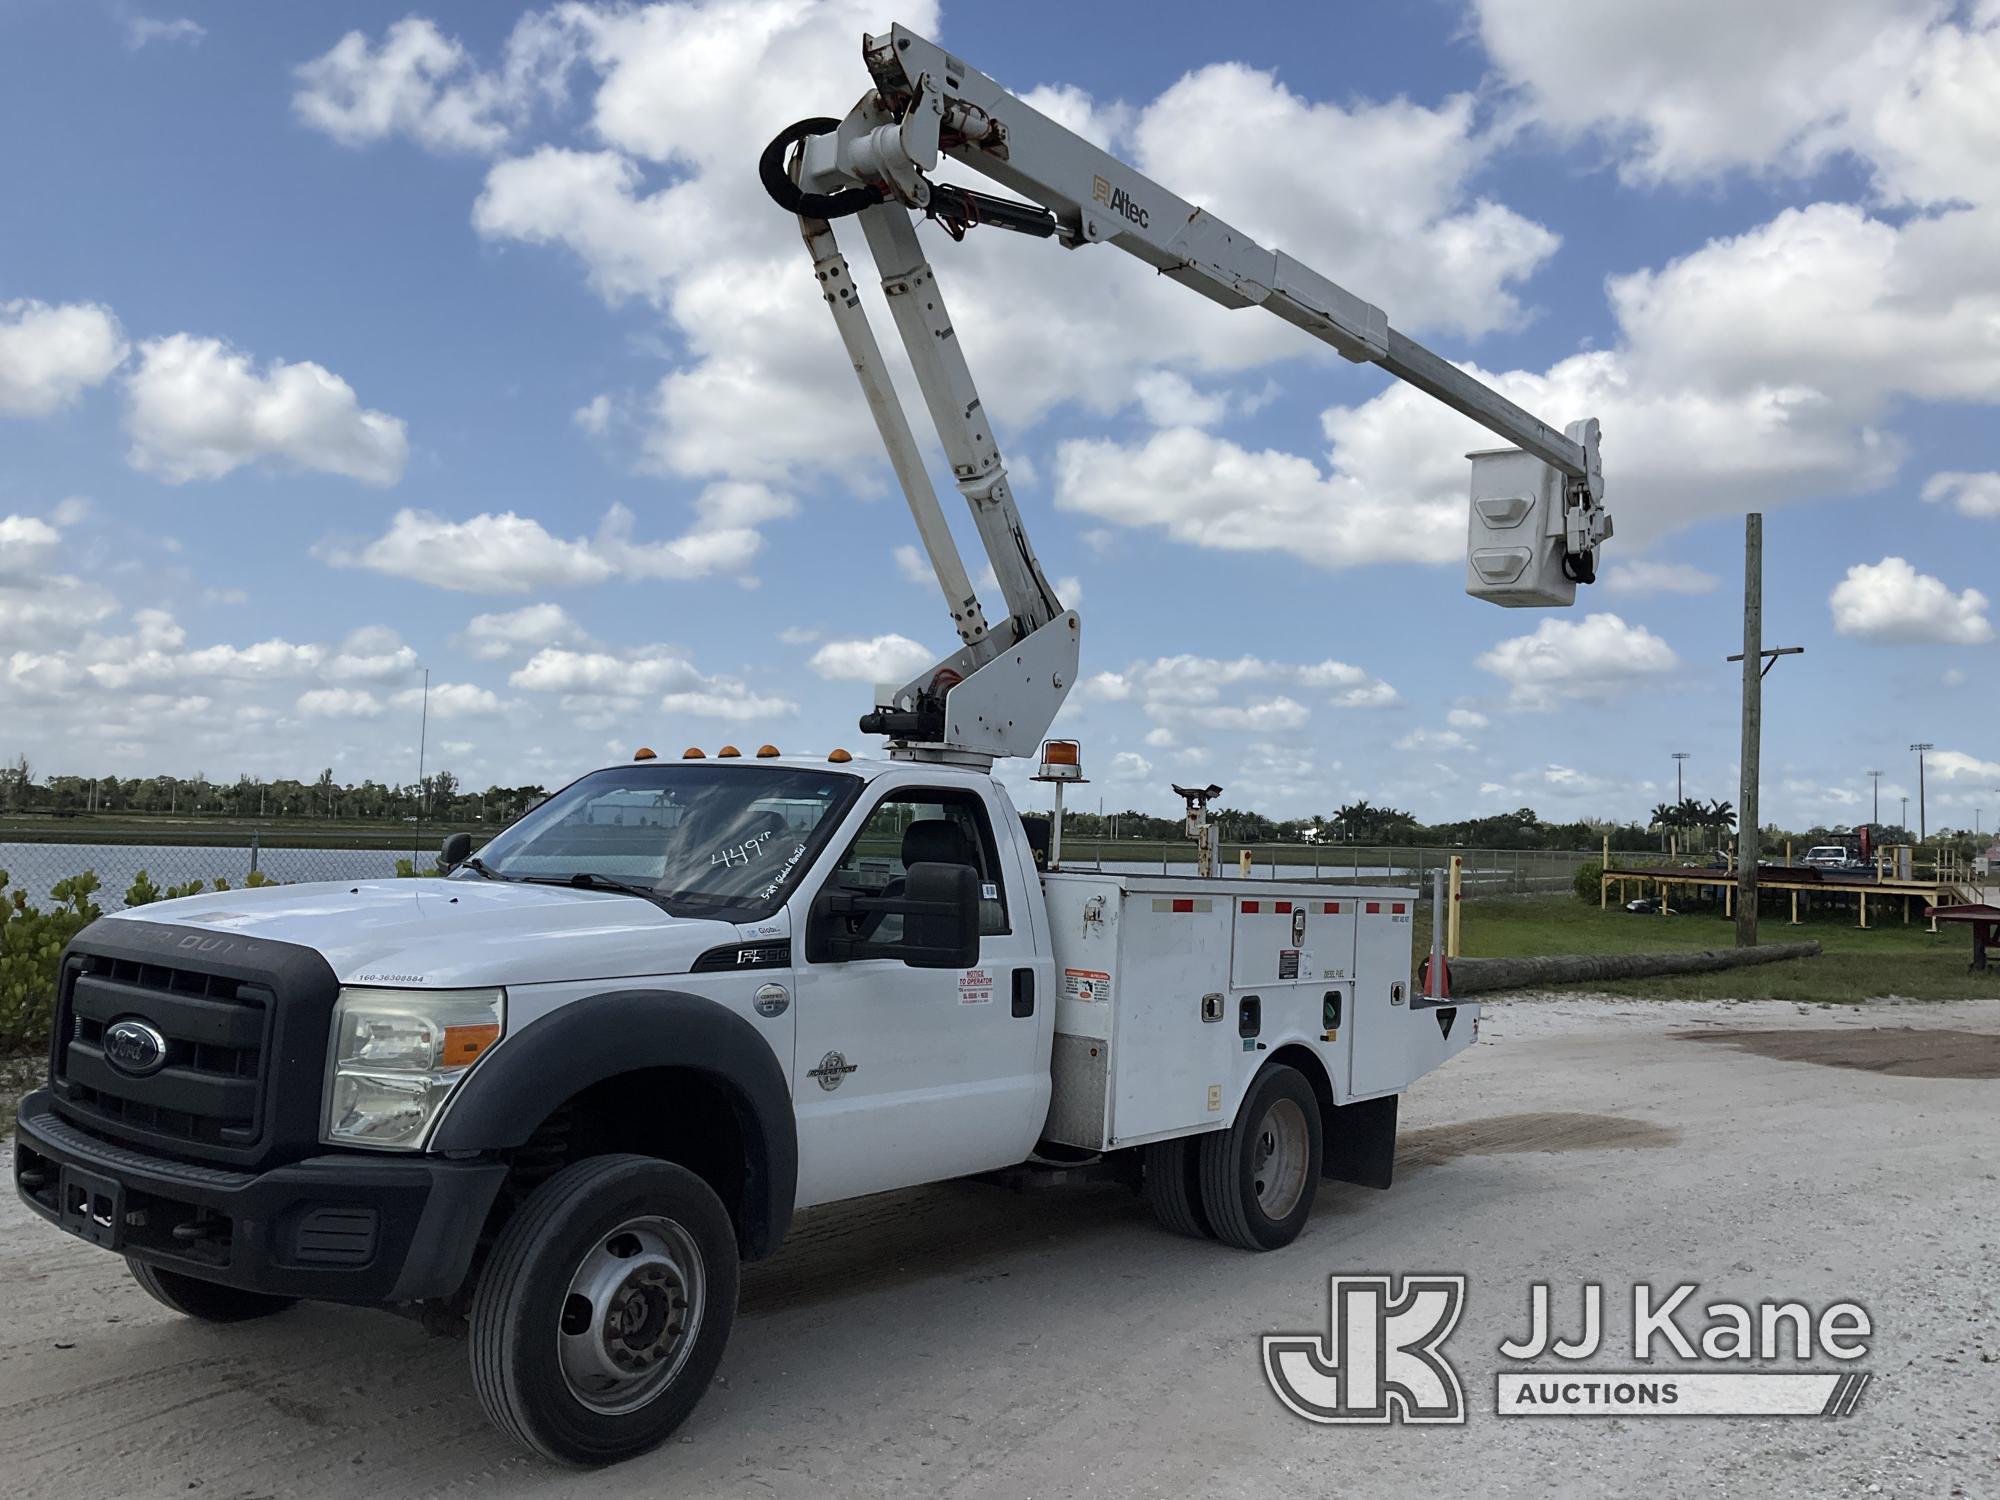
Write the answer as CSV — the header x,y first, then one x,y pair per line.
x,y
337,343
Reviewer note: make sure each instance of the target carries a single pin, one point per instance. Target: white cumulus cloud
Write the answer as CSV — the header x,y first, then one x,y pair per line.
x,y
1595,657
50,355
881,658
338,703
1891,601
1973,494
198,409
506,553
423,84
521,631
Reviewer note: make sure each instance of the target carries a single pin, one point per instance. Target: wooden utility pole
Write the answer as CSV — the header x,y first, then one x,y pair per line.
x,y
1757,662
1753,728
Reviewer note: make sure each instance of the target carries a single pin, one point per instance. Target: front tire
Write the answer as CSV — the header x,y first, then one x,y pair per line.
x,y
1260,1176
603,1310
210,1301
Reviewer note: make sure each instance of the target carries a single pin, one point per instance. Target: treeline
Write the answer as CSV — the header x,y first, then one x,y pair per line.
x,y
438,797
1362,822
1689,825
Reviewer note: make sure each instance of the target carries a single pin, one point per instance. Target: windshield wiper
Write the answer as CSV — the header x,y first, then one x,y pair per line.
x,y
590,880
479,866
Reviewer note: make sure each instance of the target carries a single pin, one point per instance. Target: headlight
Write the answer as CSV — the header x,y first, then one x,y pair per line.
x,y
395,1057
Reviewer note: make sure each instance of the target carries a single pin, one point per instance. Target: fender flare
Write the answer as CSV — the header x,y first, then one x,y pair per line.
x,y
588,1041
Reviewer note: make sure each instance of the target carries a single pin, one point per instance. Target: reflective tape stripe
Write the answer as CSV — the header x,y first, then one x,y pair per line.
x,y
1183,903
1374,907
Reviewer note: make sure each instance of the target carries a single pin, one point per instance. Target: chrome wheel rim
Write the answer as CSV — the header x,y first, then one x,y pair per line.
x,y
629,1319
1279,1158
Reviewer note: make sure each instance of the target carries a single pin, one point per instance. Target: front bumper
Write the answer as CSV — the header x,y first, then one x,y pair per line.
x,y
340,1228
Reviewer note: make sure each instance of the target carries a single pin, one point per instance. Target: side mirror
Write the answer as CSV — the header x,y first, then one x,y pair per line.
x,y
940,911
455,850
940,917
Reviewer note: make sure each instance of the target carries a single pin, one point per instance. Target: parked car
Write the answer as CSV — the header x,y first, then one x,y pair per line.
x,y
1829,857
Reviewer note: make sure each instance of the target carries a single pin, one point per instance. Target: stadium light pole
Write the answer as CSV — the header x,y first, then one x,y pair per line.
x,y
1878,794
1920,749
1679,757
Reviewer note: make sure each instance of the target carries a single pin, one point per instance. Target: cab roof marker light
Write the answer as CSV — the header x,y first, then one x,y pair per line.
x,y
729,752
840,757
693,752
765,752
644,753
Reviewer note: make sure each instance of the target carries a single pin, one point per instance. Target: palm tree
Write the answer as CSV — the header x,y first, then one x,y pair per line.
x,y
1663,819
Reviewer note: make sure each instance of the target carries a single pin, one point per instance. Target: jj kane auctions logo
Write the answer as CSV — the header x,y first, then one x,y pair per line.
x,y
1381,1357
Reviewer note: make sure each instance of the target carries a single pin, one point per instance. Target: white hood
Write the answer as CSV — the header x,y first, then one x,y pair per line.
x,y
439,933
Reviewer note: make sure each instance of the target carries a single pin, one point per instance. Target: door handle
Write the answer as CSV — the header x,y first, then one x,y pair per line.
x,y
1024,992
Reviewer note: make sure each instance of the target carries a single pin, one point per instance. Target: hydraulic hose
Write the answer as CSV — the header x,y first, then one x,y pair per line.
x,y
788,195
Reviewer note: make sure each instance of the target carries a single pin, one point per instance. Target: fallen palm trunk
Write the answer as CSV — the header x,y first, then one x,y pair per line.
x,y
1471,976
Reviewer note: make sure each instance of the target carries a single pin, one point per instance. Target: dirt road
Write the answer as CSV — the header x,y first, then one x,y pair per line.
x,y
965,1341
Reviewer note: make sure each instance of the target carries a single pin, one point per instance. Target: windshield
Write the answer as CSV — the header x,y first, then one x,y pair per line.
x,y
704,840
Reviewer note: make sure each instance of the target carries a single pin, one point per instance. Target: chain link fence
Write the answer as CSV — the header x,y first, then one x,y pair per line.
x,y
1486,871
34,869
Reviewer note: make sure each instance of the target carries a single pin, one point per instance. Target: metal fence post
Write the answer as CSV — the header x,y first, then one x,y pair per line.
x,y
256,838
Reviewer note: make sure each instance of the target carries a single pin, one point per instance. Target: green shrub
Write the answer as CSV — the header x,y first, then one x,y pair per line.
x,y
31,945
1588,875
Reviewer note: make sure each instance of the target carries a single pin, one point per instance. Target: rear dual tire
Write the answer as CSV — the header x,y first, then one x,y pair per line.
x,y
1252,1185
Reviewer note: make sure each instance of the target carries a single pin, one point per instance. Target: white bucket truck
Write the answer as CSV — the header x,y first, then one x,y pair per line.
x,y
562,1094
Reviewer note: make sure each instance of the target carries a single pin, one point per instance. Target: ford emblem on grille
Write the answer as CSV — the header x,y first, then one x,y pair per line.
x,y
134,1048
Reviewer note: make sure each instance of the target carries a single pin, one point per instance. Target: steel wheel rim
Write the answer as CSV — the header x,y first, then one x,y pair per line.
x,y
1280,1155
631,1315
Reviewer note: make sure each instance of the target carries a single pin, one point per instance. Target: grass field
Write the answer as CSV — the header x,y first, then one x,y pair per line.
x,y
1853,966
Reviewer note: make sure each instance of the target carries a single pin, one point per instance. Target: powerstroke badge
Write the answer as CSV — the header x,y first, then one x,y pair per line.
x,y
832,1071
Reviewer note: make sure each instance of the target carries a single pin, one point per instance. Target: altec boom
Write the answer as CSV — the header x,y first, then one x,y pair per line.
x,y
1537,515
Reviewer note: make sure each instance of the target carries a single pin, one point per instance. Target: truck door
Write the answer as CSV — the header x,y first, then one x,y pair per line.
x,y
909,1075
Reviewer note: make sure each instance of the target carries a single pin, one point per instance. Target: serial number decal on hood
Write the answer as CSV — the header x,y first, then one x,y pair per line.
x,y
388,979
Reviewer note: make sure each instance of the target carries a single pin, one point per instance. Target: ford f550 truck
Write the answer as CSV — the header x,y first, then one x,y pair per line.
x,y
562,1094
564,1091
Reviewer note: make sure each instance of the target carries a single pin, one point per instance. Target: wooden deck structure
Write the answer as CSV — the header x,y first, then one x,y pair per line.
x,y
1876,888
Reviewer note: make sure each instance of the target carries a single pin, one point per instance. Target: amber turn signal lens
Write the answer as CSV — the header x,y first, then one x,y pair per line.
x,y
464,1044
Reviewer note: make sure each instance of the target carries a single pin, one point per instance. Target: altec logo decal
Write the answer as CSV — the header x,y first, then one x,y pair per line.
x,y
1119,202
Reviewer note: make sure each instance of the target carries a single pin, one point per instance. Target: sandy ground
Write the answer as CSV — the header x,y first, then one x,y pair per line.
x,y
968,1341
